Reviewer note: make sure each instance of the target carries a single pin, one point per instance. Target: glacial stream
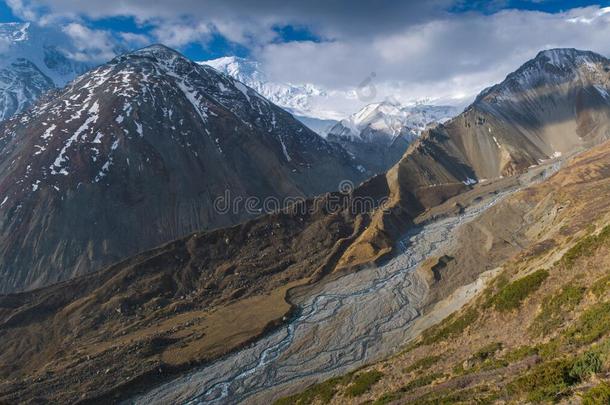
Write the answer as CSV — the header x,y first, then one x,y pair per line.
x,y
345,324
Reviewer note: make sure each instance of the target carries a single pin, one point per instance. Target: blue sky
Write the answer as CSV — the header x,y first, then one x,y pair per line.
x,y
215,44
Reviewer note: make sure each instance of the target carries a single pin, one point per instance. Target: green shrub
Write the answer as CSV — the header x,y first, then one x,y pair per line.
x,y
477,395
587,364
387,398
520,353
486,298
585,247
591,325
492,364
323,392
421,382
363,382
513,294
554,308
424,362
546,382
484,359
551,349
601,286
450,327
597,395
487,351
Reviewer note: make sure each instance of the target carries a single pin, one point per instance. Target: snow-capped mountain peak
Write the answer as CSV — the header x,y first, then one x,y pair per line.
x,y
149,138
560,65
380,133
242,69
386,120
296,98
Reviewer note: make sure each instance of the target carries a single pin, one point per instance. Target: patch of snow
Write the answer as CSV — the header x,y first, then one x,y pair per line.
x,y
49,132
288,158
61,158
40,149
469,181
139,129
98,138
243,89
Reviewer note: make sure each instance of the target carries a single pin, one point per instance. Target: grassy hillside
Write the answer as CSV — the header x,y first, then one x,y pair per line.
x,y
539,332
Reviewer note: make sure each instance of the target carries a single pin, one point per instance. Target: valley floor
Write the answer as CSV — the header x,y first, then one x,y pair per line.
x,y
346,323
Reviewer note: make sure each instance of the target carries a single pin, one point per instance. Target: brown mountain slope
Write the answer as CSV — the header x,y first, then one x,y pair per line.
x,y
555,104
539,332
166,310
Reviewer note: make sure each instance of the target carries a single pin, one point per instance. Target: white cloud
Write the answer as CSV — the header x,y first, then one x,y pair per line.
x,y
444,58
90,44
135,39
416,49
175,34
22,9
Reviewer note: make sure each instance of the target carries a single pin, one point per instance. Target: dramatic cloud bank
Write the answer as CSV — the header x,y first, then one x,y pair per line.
x,y
408,51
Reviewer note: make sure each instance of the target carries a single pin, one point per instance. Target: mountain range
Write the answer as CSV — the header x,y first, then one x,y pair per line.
x,y
553,105
377,135
316,106
380,133
130,155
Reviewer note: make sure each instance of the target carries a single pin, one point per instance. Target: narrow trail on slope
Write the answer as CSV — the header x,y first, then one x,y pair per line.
x,y
351,321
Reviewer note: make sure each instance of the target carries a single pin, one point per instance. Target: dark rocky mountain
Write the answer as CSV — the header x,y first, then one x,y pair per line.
x,y
133,154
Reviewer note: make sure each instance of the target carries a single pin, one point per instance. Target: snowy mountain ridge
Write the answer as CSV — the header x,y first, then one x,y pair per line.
x,y
321,109
33,60
297,98
386,120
